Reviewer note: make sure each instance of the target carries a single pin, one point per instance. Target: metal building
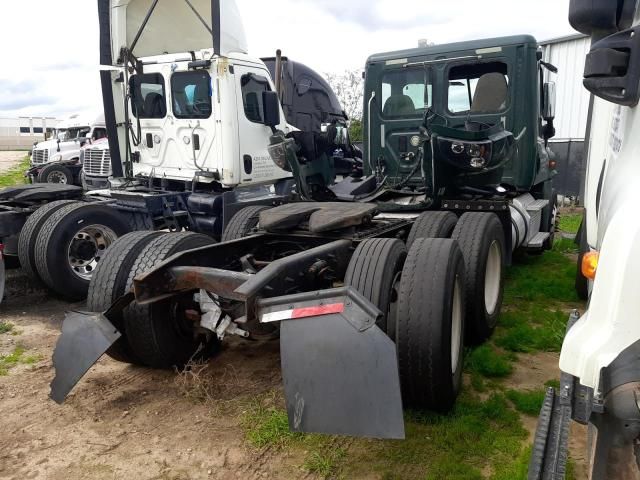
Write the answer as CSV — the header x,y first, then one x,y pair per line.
x,y
572,109
22,132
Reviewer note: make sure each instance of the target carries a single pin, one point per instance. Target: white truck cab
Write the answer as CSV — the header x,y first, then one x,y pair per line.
x,y
600,358
192,113
57,160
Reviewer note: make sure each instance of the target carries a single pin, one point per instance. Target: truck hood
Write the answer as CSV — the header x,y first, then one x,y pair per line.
x,y
173,27
53,145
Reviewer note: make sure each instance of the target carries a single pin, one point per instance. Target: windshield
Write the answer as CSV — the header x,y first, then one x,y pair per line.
x,y
406,92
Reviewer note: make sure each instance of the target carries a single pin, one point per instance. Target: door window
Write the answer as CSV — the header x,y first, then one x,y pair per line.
x,y
478,88
191,94
148,99
405,93
252,87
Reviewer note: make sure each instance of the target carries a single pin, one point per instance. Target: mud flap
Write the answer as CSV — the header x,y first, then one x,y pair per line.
x,y
340,371
85,338
551,442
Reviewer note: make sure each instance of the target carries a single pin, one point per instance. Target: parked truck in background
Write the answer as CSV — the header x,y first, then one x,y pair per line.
x,y
395,265
185,131
600,357
57,160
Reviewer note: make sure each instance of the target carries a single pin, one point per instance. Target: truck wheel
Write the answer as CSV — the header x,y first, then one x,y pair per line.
x,y
29,235
374,270
582,282
481,241
110,281
432,225
70,244
56,174
160,334
243,222
430,324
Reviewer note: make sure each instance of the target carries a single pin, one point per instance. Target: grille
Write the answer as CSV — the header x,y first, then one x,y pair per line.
x,y
39,156
97,162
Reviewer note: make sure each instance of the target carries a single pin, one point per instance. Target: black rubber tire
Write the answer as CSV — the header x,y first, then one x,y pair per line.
x,y
432,225
150,330
581,282
60,169
56,234
29,235
243,222
110,281
427,293
475,233
374,270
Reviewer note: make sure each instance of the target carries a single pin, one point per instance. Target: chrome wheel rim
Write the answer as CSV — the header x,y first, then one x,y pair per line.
x,y
57,177
492,277
456,326
87,247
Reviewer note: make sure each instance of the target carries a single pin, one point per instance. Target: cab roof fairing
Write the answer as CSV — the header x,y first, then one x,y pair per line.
x,y
175,26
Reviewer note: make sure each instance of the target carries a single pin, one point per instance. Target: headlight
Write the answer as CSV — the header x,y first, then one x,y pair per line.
x,y
278,151
466,155
56,158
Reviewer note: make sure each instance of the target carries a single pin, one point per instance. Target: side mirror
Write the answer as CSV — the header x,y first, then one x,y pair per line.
x,y
271,109
549,101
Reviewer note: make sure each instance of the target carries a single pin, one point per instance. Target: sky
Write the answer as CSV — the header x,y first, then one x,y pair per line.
x,y
49,49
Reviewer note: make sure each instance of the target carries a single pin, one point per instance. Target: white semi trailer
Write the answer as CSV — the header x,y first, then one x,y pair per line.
x,y
600,359
184,114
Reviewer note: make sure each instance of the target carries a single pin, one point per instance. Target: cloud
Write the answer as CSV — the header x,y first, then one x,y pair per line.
x,y
49,50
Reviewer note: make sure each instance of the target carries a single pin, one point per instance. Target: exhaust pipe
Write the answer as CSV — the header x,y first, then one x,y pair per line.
x,y
278,79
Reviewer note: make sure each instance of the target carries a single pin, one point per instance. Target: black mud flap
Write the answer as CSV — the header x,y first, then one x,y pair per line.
x,y
85,338
340,371
551,442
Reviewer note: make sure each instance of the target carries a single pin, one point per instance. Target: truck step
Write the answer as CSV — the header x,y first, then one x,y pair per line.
x,y
538,240
551,441
536,206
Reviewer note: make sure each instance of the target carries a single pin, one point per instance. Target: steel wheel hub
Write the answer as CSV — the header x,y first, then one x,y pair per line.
x,y
87,248
57,177
492,277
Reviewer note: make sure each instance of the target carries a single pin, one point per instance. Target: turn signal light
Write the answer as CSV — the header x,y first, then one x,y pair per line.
x,y
590,264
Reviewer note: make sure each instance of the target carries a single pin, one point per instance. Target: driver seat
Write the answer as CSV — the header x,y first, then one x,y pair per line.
x,y
398,106
491,93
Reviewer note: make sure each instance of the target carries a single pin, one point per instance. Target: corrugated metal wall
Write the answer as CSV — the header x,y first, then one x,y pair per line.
x,y
572,99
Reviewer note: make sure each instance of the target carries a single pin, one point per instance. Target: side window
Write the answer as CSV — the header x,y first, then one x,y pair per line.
x,y
405,93
148,99
252,87
478,88
191,94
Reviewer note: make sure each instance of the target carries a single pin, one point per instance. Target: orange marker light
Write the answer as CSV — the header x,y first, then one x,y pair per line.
x,y
590,264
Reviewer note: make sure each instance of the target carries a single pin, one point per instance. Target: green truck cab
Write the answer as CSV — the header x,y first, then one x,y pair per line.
x,y
493,82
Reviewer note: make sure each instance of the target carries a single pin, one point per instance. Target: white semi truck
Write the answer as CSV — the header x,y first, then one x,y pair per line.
x,y
57,160
184,115
600,358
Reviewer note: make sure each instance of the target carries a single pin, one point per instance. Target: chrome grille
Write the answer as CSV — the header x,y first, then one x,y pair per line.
x,y
97,162
39,156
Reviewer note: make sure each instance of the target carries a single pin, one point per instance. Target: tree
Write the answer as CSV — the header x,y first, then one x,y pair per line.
x,y
349,88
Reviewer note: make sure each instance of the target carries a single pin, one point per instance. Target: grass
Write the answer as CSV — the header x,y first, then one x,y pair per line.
x,y
570,222
5,327
14,358
15,176
483,437
528,402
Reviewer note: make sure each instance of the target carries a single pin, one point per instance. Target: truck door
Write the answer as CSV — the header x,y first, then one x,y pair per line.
x,y
256,165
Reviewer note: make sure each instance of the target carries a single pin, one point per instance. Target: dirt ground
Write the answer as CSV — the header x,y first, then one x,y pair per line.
x,y
128,422
122,421
9,160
